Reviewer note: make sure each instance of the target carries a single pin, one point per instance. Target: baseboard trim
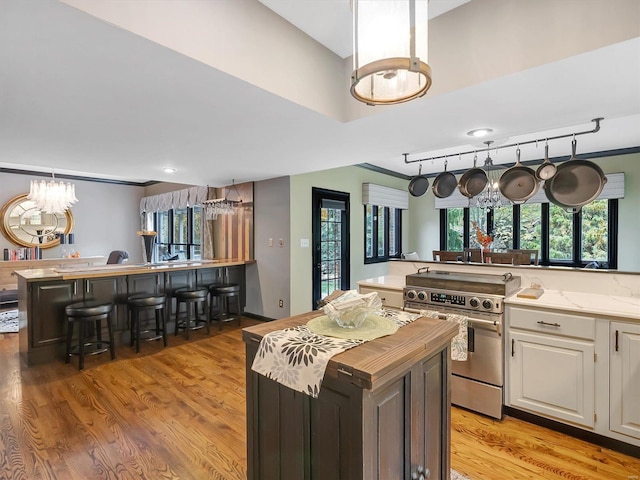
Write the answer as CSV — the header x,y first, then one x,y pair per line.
x,y
591,437
257,317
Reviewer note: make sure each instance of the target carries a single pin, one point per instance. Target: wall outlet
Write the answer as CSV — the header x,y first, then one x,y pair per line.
x,y
271,242
304,242
281,243
281,303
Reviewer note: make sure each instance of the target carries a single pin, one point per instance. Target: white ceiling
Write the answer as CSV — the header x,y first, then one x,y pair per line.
x,y
82,96
330,22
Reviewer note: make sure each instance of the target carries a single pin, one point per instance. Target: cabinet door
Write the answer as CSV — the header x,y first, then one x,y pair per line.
x,y
108,289
46,311
145,283
553,376
389,298
625,379
387,436
434,418
406,429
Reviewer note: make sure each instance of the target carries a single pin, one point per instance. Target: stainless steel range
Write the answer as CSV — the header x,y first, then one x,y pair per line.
x,y
476,383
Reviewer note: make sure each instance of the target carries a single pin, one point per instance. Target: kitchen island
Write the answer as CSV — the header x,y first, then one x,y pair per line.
x,y
44,293
382,413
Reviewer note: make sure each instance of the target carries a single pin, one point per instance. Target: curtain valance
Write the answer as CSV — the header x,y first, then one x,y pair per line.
x,y
184,198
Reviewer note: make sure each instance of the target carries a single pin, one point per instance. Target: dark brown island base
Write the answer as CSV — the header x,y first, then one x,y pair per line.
x,y
383,412
44,293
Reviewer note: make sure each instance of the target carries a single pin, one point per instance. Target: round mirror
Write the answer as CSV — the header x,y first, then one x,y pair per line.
x,y
25,225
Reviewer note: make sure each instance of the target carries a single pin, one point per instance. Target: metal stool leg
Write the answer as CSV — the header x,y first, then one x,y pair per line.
x,y
112,344
69,336
81,330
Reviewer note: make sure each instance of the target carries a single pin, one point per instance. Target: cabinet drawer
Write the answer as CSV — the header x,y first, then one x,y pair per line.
x,y
390,298
552,322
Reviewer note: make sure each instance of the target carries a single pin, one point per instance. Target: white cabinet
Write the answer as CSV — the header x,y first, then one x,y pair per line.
x,y
391,298
624,375
551,364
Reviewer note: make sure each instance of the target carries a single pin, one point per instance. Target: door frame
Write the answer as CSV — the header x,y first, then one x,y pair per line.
x,y
317,196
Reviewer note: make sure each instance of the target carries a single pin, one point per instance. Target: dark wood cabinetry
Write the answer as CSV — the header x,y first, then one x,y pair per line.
x,y
382,412
43,295
109,289
47,318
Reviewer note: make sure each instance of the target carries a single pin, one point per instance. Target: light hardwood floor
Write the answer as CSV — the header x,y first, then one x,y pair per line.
x,y
179,413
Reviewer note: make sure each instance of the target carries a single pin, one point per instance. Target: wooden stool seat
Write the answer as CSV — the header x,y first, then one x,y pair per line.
x,y
147,301
191,297
86,313
223,293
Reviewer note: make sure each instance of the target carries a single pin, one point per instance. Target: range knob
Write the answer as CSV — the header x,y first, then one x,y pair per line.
x,y
422,296
474,302
487,304
411,295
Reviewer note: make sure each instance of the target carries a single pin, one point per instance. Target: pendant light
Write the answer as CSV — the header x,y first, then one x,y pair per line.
x,y
491,197
52,196
390,40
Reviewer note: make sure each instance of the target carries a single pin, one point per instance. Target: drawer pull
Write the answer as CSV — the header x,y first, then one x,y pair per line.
x,y
540,322
345,372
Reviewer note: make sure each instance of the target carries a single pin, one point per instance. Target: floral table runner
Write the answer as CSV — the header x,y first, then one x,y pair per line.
x,y
297,358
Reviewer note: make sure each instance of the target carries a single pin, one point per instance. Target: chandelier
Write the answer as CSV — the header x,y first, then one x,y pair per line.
x,y
52,197
490,197
390,42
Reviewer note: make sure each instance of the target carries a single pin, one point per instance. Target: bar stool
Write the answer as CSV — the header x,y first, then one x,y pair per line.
x,y
143,302
191,297
85,313
223,293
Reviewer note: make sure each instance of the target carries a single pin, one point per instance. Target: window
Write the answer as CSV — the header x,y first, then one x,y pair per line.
x,y
179,233
561,238
455,229
382,235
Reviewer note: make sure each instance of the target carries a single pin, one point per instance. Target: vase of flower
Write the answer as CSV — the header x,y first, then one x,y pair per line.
x,y
485,240
148,239
486,252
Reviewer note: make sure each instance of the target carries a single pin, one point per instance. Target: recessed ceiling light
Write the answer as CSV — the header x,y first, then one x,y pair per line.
x,y
480,132
169,170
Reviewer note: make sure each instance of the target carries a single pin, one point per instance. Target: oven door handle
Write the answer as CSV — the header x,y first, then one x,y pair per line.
x,y
443,316
487,322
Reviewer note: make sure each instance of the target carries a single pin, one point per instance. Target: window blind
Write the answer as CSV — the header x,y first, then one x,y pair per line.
x,y
373,194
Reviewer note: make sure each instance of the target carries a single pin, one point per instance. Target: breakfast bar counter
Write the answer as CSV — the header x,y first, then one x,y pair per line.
x,y
44,293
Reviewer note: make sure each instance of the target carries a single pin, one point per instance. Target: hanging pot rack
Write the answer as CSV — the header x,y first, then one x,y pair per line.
x,y
536,141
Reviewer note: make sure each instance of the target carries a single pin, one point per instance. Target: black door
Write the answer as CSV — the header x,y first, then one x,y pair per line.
x,y
330,216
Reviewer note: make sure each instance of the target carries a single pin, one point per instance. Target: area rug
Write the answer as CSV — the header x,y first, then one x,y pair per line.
x,y
9,321
458,476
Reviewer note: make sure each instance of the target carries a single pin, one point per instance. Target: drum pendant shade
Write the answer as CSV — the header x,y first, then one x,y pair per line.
x,y
390,40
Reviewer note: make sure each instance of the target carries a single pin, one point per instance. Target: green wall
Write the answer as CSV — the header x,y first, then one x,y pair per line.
x,y
420,230
347,179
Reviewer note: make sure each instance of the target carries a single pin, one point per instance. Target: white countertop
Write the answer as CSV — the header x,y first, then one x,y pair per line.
x,y
627,308
385,281
583,303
